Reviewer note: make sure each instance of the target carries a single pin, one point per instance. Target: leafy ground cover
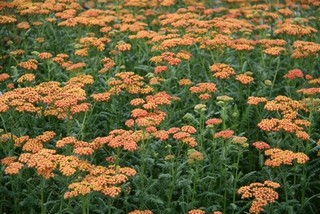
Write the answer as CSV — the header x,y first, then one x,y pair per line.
x,y
174,106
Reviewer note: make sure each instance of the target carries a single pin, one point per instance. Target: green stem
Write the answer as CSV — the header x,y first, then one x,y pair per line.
x,y
173,181
43,208
14,185
85,204
201,131
236,177
195,182
143,149
3,124
224,174
275,76
285,183
84,121
109,205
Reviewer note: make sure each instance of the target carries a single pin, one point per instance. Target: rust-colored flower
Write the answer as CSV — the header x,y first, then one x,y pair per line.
x,y
186,82
225,134
293,74
213,121
260,145
4,77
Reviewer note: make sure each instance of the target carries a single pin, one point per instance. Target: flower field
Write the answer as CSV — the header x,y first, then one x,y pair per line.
x,y
160,106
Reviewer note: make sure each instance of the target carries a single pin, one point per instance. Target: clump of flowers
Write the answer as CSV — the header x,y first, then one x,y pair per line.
x,y
194,156
239,140
196,211
124,81
289,110
203,90
222,71
225,134
260,145
262,194
278,157
244,79
293,74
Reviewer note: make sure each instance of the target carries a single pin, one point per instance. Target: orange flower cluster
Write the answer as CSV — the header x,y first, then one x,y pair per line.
x,y
260,145
256,100
302,49
49,96
26,78
274,51
203,90
23,25
294,29
17,52
196,211
123,46
313,90
149,114
101,179
160,69
225,134
31,64
108,63
244,79
75,66
34,145
142,34
263,193
7,19
174,42
213,121
309,91
288,109
278,156
269,43
124,81
219,42
45,55
287,125
231,25
182,134
241,44
97,43
80,147
171,58
273,47
222,71
286,106
293,74
122,138
46,162
4,77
